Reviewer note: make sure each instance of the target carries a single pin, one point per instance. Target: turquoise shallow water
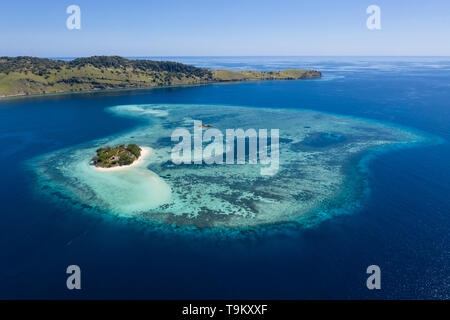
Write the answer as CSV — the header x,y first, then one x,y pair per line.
x,y
316,176
401,223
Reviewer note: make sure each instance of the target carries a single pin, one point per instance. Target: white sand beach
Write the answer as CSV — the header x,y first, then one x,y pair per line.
x,y
145,153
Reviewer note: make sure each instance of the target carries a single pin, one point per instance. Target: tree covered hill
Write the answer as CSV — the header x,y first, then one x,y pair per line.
x,y
29,75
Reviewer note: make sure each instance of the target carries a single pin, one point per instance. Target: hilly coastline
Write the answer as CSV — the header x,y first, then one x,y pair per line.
x,y
20,76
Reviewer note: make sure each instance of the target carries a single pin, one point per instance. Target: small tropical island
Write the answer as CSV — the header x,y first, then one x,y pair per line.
x,y
22,76
121,155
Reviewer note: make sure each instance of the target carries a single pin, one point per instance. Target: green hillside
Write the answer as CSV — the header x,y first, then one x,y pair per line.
x,y
31,76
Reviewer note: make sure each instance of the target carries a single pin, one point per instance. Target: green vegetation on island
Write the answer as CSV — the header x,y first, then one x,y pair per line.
x,y
33,76
122,155
250,75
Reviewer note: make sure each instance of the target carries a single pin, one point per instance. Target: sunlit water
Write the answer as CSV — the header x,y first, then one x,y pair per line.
x,y
319,172
396,197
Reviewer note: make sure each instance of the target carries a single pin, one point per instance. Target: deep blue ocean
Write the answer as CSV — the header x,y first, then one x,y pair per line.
x,y
404,226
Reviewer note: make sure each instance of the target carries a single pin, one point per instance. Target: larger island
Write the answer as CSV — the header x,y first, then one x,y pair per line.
x,y
34,76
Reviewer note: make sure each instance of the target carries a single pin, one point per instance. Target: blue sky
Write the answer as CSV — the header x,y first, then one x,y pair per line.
x,y
224,28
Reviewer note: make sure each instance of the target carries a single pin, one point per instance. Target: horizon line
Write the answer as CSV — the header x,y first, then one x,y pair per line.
x,y
234,56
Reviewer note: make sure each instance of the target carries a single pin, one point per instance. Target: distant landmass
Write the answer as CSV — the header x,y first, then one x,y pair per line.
x,y
34,76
